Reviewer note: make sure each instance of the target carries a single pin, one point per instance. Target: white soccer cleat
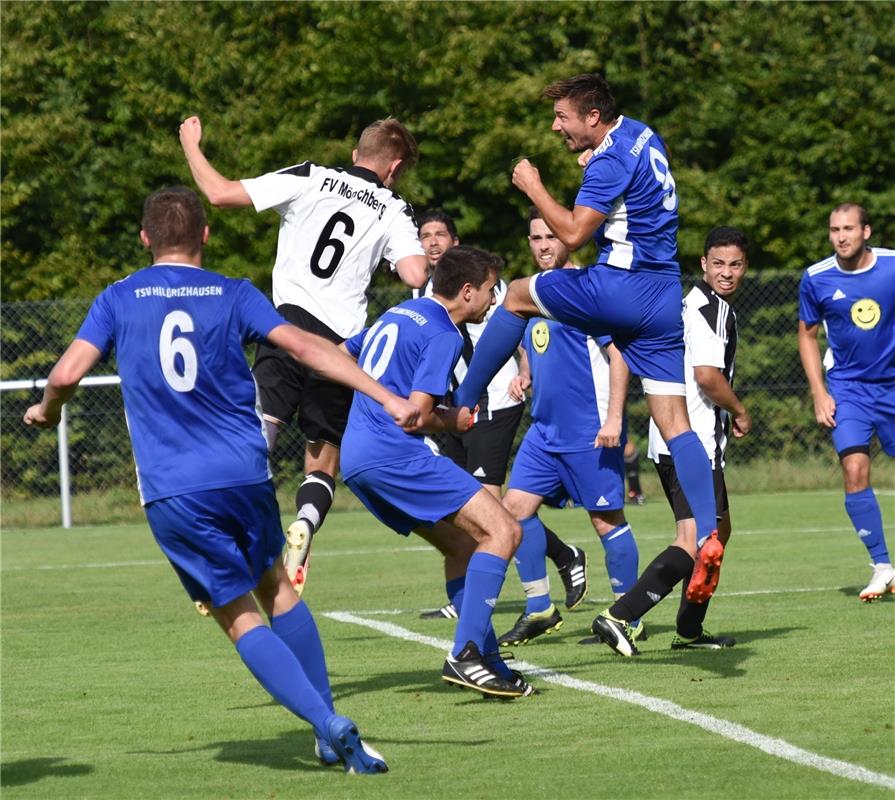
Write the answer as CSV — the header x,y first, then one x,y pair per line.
x,y
297,555
202,609
881,582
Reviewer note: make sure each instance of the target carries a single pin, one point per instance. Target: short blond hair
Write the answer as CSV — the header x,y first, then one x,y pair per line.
x,y
387,140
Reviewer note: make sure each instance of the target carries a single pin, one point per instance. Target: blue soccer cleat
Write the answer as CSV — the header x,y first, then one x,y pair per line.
x,y
357,757
325,753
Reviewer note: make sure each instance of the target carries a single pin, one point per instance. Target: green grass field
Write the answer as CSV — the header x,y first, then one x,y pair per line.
x,y
112,686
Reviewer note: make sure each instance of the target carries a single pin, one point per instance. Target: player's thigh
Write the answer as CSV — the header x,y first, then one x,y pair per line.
x,y
452,542
595,478
489,523
535,473
414,493
280,380
487,446
323,410
678,500
220,541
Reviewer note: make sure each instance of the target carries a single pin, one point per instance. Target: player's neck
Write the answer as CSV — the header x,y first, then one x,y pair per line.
x,y
178,257
861,261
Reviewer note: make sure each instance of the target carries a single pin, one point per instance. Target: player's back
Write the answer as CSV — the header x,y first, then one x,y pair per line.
x,y
857,309
629,180
412,347
570,384
190,399
337,225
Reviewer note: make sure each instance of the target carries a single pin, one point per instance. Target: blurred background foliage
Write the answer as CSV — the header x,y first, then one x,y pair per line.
x,y
773,113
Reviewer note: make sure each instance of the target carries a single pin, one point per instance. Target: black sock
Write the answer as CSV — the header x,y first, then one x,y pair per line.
x,y
557,550
690,616
664,572
632,472
314,497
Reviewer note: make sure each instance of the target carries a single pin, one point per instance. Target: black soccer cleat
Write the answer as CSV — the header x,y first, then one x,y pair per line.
x,y
469,670
530,626
638,634
574,578
705,641
616,633
445,612
518,679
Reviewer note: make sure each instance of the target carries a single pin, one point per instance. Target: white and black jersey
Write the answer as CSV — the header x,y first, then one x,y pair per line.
x,y
710,337
336,226
497,396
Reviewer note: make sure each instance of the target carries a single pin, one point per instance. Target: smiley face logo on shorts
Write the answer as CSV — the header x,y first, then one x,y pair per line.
x,y
540,337
866,313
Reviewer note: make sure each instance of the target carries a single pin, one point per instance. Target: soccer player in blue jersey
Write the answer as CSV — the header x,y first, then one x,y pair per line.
x,y
627,203
852,293
197,434
413,349
573,449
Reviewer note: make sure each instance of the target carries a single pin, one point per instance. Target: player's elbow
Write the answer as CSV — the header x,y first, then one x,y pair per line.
x,y
413,271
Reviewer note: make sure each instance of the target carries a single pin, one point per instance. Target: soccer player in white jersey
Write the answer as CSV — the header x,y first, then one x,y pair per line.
x,y
413,348
573,449
853,294
710,337
178,332
628,204
336,225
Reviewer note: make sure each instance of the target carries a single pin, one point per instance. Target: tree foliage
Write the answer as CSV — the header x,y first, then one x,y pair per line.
x,y
773,113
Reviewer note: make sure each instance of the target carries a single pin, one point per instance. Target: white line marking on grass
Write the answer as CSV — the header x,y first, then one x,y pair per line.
x,y
779,748
99,565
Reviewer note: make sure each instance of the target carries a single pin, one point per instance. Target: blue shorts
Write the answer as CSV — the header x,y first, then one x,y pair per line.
x,y
594,479
221,541
640,310
414,493
861,409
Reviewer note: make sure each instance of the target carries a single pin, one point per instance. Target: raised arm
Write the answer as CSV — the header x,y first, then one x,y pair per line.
x,y
809,352
219,190
333,363
573,228
75,363
412,270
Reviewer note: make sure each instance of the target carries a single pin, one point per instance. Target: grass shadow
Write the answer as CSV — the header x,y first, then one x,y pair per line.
x,y
32,770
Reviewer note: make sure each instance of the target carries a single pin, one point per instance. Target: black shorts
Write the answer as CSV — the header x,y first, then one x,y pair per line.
x,y
675,495
484,451
287,387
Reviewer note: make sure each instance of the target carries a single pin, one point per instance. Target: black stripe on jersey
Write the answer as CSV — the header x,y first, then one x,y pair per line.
x,y
722,319
300,170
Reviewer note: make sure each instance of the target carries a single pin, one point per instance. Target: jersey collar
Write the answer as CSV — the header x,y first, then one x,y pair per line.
x,y
365,174
870,266
175,264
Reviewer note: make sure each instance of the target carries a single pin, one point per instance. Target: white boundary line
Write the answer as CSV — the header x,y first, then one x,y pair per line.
x,y
779,748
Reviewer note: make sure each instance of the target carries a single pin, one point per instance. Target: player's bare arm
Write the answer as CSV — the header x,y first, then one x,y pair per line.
x,y
333,363
610,433
716,387
809,352
219,190
75,363
435,419
413,270
573,228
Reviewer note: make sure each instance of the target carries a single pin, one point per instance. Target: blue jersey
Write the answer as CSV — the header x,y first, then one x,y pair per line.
x,y
629,180
570,384
412,347
189,396
858,312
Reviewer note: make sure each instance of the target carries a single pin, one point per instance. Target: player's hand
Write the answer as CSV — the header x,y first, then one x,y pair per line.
x,y
610,435
526,176
37,416
457,419
517,387
190,132
741,424
405,414
825,410
585,157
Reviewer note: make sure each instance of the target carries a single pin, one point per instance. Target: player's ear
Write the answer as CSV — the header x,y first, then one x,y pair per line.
x,y
867,232
144,239
354,156
206,233
704,264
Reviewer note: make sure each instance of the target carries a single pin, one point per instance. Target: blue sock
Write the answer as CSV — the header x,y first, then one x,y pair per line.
x,y
694,473
484,579
491,647
863,510
498,342
622,560
298,630
279,671
531,564
454,588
